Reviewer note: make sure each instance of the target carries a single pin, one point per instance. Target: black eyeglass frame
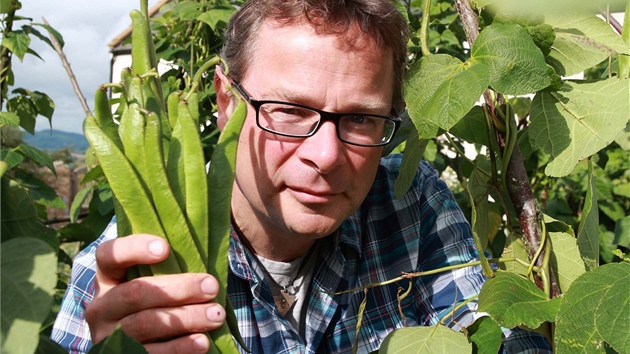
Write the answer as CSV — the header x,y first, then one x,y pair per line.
x,y
324,116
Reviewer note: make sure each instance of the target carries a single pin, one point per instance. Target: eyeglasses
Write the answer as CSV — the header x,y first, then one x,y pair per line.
x,y
299,121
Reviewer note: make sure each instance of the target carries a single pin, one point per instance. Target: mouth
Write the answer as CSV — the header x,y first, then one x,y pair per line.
x,y
310,196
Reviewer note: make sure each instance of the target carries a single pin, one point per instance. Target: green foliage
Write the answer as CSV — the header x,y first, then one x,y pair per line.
x,y
433,339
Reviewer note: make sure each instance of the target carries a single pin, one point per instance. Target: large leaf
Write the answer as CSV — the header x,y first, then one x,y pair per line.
x,y
9,118
29,276
48,346
478,187
578,121
473,128
486,335
622,232
435,339
37,156
596,309
17,42
440,90
588,231
565,259
516,65
515,301
216,16
41,192
118,343
409,165
515,248
19,216
11,157
582,41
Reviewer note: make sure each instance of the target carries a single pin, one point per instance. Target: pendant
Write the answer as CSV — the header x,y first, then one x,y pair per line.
x,y
284,301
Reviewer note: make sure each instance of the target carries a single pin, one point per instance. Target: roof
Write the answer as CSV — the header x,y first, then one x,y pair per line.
x,y
116,43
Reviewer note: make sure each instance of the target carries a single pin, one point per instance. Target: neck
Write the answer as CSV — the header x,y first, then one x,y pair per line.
x,y
280,247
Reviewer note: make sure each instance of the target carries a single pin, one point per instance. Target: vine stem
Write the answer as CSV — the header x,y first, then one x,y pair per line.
x,y
517,180
73,79
410,275
424,28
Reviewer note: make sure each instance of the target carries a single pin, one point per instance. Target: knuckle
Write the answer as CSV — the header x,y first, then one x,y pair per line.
x,y
132,294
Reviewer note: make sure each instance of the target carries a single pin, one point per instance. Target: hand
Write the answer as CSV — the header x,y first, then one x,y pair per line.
x,y
173,309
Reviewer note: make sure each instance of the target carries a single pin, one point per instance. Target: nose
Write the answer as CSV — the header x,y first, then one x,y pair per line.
x,y
323,151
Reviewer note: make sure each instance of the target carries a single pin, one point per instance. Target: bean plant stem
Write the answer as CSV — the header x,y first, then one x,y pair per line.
x,y
517,180
424,28
73,79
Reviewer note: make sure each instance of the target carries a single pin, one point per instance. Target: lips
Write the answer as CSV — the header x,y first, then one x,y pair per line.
x,y
312,196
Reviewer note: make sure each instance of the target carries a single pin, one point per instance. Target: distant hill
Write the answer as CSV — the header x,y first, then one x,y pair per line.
x,y
57,139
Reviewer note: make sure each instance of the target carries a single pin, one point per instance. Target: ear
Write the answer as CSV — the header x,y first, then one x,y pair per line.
x,y
225,99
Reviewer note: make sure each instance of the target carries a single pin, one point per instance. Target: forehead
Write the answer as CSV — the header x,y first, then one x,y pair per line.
x,y
305,58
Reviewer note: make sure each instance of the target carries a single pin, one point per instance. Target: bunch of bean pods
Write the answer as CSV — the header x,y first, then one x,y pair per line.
x,y
153,160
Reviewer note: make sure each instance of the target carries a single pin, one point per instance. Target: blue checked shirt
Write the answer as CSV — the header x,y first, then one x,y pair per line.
x,y
386,236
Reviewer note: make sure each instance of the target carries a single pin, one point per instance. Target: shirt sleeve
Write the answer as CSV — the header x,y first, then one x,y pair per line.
x,y
70,329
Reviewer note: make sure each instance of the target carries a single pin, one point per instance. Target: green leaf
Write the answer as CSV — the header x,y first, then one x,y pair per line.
x,y
78,201
118,343
440,90
48,346
486,336
622,232
578,121
39,35
565,259
596,309
582,41
409,165
52,32
588,231
39,157
514,301
11,157
516,65
17,42
515,248
45,106
9,118
39,191
473,127
19,216
28,268
26,110
434,339
478,187
186,10
216,17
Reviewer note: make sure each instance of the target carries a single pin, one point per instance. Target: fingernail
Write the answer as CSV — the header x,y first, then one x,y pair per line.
x,y
156,248
209,286
201,344
215,314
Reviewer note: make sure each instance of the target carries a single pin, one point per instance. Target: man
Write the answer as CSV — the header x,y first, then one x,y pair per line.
x,y
313,208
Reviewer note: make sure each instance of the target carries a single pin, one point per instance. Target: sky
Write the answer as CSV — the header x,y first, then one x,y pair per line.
x,y
87,26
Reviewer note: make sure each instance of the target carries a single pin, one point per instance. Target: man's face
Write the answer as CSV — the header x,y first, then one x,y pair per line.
x,y
305,187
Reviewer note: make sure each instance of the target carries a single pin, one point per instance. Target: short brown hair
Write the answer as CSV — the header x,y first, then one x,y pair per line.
x,y
378,19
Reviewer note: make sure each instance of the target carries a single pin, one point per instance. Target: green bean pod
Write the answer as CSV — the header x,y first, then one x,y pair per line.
x,y
220,182
104,117
128,190
196,187
131,130
170,214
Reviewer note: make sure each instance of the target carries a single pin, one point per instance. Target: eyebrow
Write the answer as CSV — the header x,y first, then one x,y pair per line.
x,y
367,107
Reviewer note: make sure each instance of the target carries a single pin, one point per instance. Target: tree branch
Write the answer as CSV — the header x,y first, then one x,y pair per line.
x,y
73,79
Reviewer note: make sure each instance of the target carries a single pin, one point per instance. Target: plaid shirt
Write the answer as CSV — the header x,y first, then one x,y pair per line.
x,y
424,230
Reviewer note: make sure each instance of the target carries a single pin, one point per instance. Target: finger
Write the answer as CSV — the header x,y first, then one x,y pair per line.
x,y
193,344
151,292
115,256
155,324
